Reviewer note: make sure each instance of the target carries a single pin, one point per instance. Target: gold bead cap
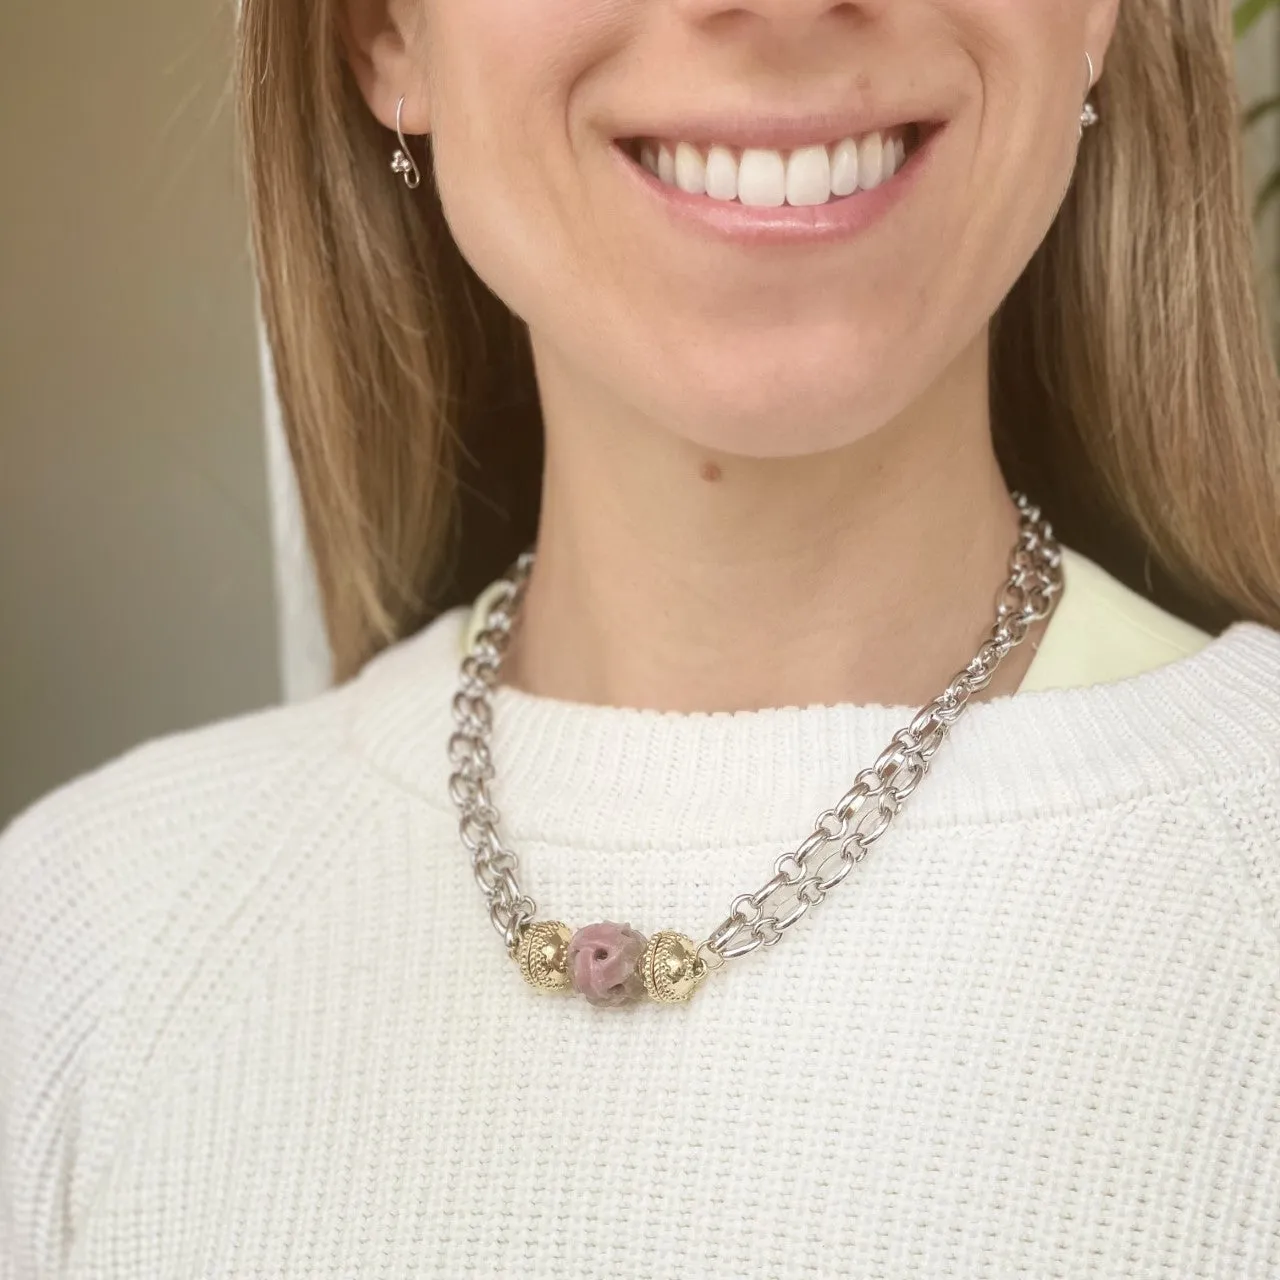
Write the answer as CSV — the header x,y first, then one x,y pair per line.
x,y
671,967
543,955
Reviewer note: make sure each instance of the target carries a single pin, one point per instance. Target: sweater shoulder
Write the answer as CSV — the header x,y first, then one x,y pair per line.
x,y
1251,814
107,886
142,824
1238,741
172,787
167,789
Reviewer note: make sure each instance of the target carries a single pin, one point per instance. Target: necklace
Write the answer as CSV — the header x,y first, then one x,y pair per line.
x,y
613,964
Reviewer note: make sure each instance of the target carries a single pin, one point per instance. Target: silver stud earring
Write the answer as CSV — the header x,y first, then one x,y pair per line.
x,y
402,162
1089,114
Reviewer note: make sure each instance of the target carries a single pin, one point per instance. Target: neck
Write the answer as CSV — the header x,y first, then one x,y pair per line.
x,y
675,578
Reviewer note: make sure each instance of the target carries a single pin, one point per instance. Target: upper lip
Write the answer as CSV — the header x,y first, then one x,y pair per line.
x,y
782,131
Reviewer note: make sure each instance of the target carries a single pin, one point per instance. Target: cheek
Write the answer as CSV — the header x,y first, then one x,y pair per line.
x,y
1030,56
502,77
1015,149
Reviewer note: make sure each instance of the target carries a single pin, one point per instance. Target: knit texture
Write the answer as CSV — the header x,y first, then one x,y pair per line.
x,y
254,1021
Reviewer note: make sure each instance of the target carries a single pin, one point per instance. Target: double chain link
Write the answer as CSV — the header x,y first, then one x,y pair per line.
x,y
842,835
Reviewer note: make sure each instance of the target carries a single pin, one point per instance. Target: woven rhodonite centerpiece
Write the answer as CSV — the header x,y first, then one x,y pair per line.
x,y
609,963
603,960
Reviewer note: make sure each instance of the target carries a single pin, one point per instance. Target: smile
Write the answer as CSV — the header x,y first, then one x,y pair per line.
x,y
761,177
758,195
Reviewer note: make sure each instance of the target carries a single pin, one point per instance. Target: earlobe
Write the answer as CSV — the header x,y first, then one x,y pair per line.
x,y
1100,26
378,38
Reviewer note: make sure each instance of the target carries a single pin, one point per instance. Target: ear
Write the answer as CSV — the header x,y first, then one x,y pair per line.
x,y
1099,27
384,47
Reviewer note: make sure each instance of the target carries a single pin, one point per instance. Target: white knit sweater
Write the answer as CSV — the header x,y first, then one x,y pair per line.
x,y
254,1021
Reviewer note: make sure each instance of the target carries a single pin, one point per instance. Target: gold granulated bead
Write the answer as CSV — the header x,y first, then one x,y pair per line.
x,y
543,955
671,967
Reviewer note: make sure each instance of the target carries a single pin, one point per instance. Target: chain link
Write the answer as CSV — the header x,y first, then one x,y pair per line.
x,y
842,836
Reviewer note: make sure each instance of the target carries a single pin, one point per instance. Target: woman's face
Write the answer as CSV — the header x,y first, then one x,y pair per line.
x,y
725,319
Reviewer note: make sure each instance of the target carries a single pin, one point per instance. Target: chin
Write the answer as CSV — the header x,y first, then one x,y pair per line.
x,y
773,415
787,430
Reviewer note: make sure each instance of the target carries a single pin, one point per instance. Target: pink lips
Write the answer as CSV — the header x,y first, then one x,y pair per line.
x,y
785,224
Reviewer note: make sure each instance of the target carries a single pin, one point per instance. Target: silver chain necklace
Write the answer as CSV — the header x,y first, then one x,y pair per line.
x,y
612,964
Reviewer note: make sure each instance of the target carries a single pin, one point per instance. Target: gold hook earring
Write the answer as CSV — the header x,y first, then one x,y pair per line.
x,y
402,162
1089,113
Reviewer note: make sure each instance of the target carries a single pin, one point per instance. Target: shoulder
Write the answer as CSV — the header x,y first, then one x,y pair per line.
x,y
136,896
1250,816
1222,705
157,800
90,875
1249,700
169,797
148,822
1191,733
212,801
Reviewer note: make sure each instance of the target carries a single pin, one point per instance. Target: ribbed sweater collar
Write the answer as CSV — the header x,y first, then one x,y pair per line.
x,y
609,778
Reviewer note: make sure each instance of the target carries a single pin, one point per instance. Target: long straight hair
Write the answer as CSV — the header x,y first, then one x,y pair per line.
x,y
1133,385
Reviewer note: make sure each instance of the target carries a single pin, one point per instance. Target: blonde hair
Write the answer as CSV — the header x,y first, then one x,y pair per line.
x,y
1134,391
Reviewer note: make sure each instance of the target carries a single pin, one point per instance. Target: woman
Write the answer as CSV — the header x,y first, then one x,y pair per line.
x,y
749,318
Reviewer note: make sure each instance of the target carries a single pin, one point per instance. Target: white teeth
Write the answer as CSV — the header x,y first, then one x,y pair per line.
x,y
666,166
889,162
870,162
809,176
762,178
766,178
844,169
691,169
722,174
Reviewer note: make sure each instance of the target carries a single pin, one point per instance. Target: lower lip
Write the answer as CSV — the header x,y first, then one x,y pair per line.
x,y
783,224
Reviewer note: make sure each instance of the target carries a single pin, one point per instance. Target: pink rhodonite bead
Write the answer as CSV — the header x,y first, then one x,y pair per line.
x,y
602,962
